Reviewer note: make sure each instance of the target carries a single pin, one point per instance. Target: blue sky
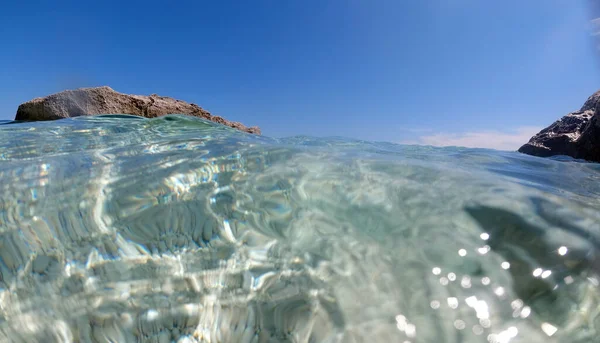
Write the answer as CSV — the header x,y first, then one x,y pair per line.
x,y
466,72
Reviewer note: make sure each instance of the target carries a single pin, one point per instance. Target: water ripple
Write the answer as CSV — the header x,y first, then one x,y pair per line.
x,y
174,229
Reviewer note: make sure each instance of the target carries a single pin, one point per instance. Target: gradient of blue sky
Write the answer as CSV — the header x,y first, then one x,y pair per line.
x,y
393,70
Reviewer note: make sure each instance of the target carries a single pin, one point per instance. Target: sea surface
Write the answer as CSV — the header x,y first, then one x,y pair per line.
x,y
123,229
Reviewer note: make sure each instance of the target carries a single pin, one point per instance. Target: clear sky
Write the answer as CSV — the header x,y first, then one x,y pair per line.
x,y
467,72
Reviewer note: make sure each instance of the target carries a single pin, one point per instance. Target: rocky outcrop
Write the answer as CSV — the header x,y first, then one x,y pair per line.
x,y
577,134
104,100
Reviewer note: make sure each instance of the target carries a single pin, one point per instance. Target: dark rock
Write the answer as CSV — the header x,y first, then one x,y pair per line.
x,y
104,100
577,134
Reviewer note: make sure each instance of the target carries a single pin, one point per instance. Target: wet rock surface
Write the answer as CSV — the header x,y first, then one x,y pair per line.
x,y
105,100
577,134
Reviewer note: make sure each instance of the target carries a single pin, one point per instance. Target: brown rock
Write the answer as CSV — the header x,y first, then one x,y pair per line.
x,y
577,134
104,100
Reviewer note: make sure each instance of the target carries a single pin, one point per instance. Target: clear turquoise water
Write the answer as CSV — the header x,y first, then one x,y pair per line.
x,y
121,229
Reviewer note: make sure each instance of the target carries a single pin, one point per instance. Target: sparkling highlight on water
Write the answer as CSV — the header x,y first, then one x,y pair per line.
x,y
174,229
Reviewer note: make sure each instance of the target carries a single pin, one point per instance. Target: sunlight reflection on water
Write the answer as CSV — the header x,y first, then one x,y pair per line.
x,y
177,229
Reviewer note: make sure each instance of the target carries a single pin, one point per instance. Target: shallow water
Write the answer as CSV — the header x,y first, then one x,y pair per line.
x,y
121,229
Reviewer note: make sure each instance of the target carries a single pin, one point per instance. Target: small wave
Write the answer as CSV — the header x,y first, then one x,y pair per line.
x,y
120,229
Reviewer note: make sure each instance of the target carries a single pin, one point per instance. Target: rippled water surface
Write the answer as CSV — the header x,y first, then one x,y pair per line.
x,y
120,229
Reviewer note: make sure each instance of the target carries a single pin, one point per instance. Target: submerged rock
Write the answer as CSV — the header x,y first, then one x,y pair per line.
x,y
577,134
105,100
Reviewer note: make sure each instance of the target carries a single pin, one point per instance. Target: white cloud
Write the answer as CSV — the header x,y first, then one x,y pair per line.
x,y
480,139
595,26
